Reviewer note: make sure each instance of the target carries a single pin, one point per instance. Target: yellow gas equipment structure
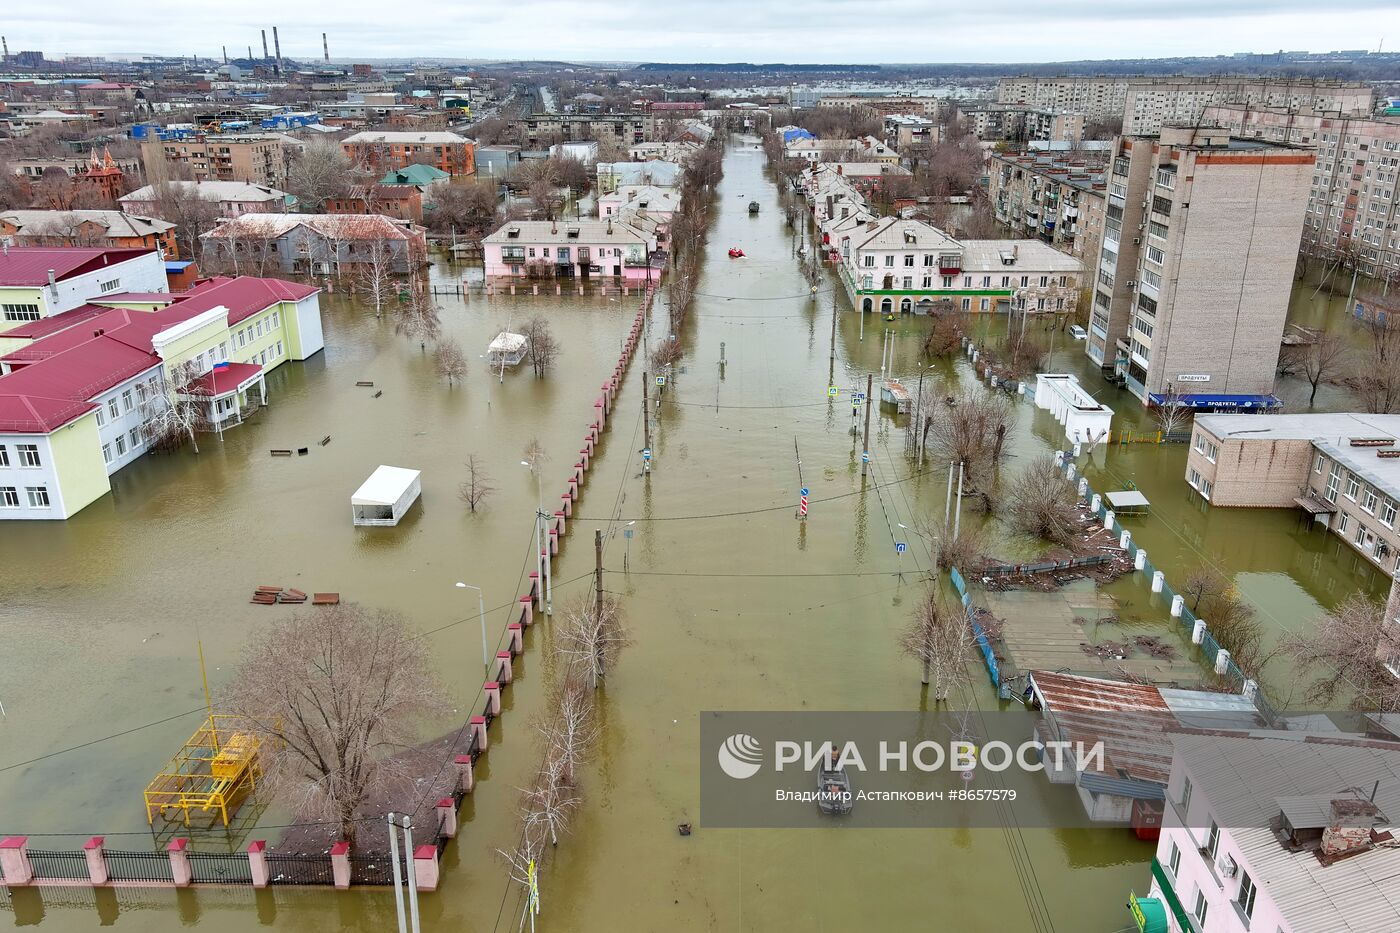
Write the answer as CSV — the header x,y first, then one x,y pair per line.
x,y
217,769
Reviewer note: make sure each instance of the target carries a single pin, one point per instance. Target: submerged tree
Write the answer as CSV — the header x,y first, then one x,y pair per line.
x,y
1349,647
544,346
336,694
1171,413
449,361
477,487
969,428
939,637
1042,504
592,635
1322,360
418,319
177,409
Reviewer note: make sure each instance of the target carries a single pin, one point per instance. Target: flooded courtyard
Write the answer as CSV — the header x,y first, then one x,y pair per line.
x,y
732,604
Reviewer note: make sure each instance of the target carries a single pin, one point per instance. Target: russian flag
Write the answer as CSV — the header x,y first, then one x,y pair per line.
x,y
219,366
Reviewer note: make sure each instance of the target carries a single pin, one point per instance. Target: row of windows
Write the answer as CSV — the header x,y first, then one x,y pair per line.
x,y
1203,485
1247,893
122,442
17,312
37,496
1371,500
26,455
1206,447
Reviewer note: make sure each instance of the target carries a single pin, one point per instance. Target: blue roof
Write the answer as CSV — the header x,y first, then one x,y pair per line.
x,y
1097,783
1223,401
798,133
177,265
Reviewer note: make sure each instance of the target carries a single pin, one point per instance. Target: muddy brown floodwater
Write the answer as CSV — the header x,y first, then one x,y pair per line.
x,y
732,605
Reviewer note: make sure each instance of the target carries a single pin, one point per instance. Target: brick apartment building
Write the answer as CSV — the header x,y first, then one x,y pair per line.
x,y
1196,263
1354,205
1343,469
255,159
382,151
1057,197
1147,104
994,122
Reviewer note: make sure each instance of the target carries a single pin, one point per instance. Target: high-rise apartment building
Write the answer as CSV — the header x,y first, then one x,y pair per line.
x,y
1196,263
1147,104
255,159
1058,197
1354,204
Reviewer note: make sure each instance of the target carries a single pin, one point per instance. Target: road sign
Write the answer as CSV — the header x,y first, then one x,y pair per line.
x,y
627,532
900,547
865,457
860,396
804,490
646,453
803,507
833,391
967,775
855,400
661,380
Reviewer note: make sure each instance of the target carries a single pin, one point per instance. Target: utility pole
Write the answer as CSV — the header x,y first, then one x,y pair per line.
x,y
831,370
646,420
919,424
869,403
398,876
598,573
948,500
957,516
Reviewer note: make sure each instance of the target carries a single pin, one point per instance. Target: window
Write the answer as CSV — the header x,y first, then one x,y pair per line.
x,y
1195,478
1361,535
1211,451
1185,795
9,497
1044,281
242,338
1025,281
1155,255
1369,500
1201,907
4,456
1343,521
1387,508
986,281
1006,281
257,327
276,319
1353,487
1213,839
279,348
868,260
101,418
947,281
889,260
1143,327
28,454
1174,859
1248,892
112,409
121,444
111,286
127,404
1147,305
1317,464
38,496
106,453
21,312
1161,205
1166,177
1334,480
135,435
967,304
1159,230
909,259
928,259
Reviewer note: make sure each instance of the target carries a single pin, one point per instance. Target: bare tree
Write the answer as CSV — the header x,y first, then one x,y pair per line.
x,y
1042,504
570,730
336,693
544,346
418,317
1349,647
591,637
1375,373
1171,413
1200,586
1237,629
943,338
969,428
477,487
374,274
1319,361
319,172
939,637
183,204
176,410
449,361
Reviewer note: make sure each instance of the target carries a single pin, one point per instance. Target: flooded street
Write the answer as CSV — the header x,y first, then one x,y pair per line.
x,y
732,604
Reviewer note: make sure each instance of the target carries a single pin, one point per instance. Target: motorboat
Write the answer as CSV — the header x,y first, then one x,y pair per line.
x,y
834,788
753,207
735,253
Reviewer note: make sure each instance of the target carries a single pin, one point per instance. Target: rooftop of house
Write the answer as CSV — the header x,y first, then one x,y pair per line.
x,y
30,265
414,175
213,190
1338,426
407,138
61,371
343,226
565,232
652,171
59,223
1248,782
1016,256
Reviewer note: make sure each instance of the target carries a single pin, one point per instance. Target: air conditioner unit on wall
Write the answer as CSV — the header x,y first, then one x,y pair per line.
x,y
1227,866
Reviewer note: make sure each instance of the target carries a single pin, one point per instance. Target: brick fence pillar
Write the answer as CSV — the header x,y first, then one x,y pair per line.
x,y
503,669
516,631
465,779
257,862
447,817
178,850
14,861
492,690
96,860
478,724
340,864
425,867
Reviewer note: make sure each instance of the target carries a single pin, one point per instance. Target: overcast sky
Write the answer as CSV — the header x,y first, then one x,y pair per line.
x,y
712,30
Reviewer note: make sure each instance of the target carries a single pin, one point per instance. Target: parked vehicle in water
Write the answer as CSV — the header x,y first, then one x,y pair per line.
x,y
834,786
1077,332
753,207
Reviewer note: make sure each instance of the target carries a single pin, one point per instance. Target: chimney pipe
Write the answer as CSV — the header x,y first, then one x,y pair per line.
x,y
53,279
265,55
277,50
325,47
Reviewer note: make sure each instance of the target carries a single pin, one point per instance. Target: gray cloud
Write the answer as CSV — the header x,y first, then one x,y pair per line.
x,y
715,30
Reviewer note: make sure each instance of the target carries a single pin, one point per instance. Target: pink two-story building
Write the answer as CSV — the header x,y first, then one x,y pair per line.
x,y
581,249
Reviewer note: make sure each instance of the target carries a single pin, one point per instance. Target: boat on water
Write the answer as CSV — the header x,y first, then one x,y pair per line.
x,y
834,787
753,207
735,253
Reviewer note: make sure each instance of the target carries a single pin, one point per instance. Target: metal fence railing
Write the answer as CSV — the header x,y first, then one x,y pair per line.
x,y
138,866
59,865
220,867
983,642
300,869
371,869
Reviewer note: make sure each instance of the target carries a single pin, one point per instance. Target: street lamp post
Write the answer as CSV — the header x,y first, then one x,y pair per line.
x,y
481,612
543,564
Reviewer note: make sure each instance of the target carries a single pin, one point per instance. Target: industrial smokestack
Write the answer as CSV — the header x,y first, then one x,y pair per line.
x,y
265,55
5,44
325,47
250,54
276,50
225,48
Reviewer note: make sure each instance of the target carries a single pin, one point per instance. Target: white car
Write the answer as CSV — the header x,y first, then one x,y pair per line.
x,y
1077,332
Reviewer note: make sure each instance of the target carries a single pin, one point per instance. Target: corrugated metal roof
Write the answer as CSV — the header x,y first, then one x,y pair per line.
x,y
1240,781
30,265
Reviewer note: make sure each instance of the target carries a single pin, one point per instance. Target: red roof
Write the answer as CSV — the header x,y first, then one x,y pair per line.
x,y
34,330
30,265
219,382
53,378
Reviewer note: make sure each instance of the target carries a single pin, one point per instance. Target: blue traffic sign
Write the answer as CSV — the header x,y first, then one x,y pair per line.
x,y
865,457
627,532
900,547
646,453
832,391
661,380
804,490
